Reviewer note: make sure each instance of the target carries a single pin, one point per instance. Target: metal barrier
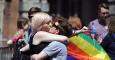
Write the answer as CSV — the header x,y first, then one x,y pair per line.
x,y
6,53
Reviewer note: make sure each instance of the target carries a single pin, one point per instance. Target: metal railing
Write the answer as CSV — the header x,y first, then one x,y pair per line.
x,y
6,53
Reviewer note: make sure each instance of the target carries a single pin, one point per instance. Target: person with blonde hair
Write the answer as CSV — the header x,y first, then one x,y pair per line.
x,y
55,50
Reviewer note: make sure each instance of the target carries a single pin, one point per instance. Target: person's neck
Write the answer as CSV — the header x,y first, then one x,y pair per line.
x,y
102,22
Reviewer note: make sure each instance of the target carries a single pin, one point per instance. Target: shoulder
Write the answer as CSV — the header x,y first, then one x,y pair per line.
x,y
94,21
40,34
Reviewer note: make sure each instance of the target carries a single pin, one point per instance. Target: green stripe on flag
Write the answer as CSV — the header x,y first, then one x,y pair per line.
x,y
87,47
91,41
84,45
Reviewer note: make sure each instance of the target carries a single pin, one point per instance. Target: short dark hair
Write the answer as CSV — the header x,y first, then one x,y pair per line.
x,y
33,10
22,21
103,5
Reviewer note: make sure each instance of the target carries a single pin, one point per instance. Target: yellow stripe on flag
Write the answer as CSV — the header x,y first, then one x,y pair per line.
x,y
88,48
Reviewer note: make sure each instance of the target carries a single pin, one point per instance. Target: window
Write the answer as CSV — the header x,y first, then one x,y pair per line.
x,y
112,6
25,5
1,17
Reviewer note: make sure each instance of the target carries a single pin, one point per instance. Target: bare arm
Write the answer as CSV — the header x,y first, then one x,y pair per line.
x,y
42,36
84,29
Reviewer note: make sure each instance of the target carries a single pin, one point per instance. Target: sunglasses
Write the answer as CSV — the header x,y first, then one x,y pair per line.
x,y
30,17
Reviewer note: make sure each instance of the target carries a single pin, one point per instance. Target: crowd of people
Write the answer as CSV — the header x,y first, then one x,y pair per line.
x,y
45,37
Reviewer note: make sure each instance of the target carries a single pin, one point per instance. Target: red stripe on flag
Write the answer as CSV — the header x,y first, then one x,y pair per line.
x,y
77,53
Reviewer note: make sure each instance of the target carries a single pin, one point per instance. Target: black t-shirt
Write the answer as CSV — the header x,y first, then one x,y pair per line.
x,y
35,49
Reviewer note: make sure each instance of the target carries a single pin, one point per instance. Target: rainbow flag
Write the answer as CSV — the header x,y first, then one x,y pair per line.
x,y
82,47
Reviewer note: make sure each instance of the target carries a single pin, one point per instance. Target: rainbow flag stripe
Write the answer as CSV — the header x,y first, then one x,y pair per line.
x,y
82,47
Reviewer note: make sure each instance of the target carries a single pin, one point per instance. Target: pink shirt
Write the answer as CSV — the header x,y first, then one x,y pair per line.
x,y
19,35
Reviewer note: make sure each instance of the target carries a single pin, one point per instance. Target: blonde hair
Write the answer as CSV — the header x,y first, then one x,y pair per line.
x,y
75,22
39,19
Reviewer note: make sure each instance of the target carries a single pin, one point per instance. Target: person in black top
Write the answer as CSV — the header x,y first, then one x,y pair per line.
x,y
39,22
